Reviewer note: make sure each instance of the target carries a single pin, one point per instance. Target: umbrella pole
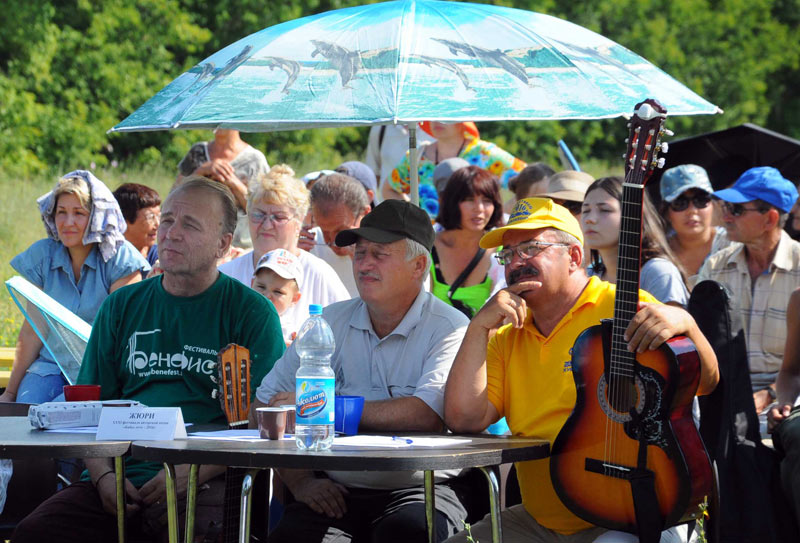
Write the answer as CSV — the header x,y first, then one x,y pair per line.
x,y
413,172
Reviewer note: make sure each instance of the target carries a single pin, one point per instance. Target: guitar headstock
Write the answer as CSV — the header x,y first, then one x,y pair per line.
x,y
233,383
644,143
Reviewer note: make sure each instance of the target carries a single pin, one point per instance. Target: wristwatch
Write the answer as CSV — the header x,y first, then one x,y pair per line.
x,y
772,394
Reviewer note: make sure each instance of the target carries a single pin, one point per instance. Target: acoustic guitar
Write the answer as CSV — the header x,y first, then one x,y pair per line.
x,y
233,392
629,457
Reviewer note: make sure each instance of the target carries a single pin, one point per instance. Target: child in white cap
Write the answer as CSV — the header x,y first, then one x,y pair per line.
x,y
278,276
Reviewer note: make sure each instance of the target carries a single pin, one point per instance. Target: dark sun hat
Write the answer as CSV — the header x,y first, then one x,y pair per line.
x,y
391,220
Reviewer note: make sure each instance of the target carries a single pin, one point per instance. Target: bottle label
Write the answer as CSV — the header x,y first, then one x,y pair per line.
x,y
315,401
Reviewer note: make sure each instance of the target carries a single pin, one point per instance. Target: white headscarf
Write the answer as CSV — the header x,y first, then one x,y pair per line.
x,y
106,223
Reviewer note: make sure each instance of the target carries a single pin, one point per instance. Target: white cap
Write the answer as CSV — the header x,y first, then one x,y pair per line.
x,y
283,263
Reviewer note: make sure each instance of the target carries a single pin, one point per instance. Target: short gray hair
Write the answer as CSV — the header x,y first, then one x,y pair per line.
x,y
338,188
563,237
415,249
560,236
217,190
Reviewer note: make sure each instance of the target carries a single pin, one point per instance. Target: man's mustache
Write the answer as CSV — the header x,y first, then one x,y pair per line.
x,y
526,271
368,274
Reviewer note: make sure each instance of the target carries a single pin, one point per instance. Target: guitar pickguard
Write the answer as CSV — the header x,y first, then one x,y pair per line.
x,y
649,407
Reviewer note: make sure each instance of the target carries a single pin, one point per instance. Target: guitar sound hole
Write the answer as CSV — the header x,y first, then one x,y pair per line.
x,y
617,398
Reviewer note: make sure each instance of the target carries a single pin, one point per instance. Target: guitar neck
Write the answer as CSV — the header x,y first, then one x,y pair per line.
x,y
643,144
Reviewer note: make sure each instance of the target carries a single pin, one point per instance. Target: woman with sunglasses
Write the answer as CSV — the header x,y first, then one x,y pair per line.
x,y
276,206
601,215
688,208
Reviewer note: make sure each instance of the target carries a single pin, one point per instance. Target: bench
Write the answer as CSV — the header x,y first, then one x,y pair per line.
x,y
6,358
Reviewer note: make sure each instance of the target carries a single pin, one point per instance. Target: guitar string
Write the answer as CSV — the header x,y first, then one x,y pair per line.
x,y
612,388
622,378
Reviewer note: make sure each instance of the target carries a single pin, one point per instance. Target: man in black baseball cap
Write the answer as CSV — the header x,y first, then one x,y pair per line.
x,y
390,221
394,346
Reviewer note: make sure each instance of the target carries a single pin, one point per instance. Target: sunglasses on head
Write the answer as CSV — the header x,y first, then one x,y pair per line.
x,y
681,203
737,210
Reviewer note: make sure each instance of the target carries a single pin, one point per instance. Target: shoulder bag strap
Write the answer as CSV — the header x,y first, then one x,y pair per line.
x,y
465,272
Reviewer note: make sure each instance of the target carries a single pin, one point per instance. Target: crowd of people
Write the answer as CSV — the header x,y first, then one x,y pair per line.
x,y
459,314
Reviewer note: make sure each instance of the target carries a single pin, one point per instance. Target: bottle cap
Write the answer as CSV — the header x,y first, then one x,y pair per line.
x,y
314,309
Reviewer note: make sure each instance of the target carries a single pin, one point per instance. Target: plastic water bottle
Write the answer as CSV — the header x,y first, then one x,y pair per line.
x,y
315,387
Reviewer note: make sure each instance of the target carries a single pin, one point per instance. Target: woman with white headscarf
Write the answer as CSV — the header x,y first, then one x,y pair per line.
x,y
84,258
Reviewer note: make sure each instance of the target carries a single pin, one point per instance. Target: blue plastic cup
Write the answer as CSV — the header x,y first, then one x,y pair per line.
x,y
348,414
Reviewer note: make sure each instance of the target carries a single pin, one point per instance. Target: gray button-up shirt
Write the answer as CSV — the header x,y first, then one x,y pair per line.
x,y
413,360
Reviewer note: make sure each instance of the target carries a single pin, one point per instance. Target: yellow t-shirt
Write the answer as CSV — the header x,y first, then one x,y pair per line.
x,y
530,383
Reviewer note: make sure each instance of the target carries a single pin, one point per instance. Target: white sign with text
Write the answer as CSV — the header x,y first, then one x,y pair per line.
x,y
141,423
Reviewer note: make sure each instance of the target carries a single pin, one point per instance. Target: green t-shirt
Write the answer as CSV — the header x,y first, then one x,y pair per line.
x,y
158,349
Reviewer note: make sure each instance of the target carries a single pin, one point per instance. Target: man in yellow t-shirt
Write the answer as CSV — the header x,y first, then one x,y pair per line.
x,y
523,370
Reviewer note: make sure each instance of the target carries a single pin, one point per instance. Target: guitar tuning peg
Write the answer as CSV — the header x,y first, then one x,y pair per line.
x,y
214,379
628,125
665,147
660,163
624,156
668,132
215,394
627,140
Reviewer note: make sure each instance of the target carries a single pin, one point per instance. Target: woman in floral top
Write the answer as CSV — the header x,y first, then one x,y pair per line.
x,y
453,139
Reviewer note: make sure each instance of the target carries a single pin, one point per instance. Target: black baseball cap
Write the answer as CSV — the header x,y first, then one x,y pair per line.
x,y
391,220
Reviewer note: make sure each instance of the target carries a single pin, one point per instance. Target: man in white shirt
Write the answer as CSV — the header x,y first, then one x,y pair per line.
x,y
338,202
394,346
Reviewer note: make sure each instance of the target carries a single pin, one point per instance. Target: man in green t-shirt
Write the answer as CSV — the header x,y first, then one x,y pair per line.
x,y
156,343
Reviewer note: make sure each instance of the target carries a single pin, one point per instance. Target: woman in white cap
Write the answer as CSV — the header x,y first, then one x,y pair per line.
x,y
688,208
601,215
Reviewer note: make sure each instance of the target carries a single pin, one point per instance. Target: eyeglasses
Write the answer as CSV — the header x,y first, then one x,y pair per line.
x,y
151,217
681,203
737,210
525,251
278,219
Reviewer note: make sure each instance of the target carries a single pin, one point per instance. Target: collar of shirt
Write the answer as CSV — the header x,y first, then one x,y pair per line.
x,y
61,259
782,260
361,321
589,295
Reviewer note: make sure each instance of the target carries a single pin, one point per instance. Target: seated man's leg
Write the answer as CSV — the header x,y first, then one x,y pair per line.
x,y
403,517
35,388
788,440
74,514
300,523
208,513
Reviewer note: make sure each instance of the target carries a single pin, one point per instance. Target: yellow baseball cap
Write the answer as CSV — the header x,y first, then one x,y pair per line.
x,y
532,214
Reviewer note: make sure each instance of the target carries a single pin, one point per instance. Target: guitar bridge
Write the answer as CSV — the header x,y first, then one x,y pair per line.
x,y
610,469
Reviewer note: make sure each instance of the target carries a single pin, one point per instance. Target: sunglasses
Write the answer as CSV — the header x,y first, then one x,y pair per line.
x,y
681,203
737,210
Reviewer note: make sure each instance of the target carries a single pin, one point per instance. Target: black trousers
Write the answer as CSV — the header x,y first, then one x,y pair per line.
x,y
379,516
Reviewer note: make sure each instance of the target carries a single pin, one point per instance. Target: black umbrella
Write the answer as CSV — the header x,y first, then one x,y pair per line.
x,y
726,154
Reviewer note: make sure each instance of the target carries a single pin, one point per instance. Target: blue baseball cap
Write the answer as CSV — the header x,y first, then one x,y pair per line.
x,y
679,179
763,183
361,173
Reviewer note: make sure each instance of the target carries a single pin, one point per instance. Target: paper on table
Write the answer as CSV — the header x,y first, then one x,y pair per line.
x,y
233,435
83,429
397,442
74,430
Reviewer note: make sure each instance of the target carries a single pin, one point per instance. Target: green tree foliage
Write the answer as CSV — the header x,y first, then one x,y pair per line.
x,y
71,69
